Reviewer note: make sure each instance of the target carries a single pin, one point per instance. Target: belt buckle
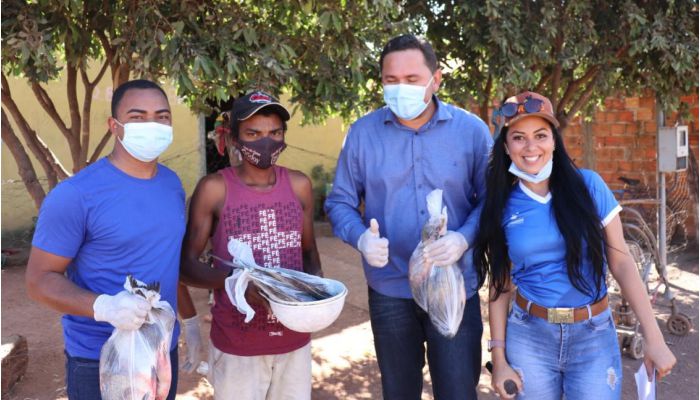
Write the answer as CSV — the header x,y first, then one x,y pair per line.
x,y
560,315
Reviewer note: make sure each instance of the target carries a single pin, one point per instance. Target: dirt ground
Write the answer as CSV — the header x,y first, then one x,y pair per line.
x,y
344,363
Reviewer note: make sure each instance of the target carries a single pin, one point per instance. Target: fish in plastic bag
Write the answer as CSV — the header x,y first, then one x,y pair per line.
x,y
135,364
439,290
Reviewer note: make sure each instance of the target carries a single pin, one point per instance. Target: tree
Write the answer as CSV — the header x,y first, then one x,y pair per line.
x,y
317,50
575,52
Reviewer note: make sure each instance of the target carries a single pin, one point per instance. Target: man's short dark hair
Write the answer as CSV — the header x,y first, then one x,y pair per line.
x,y
134,84
408,42
235,124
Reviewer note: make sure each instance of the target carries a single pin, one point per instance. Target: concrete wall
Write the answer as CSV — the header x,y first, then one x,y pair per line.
x,y
620,140
311,145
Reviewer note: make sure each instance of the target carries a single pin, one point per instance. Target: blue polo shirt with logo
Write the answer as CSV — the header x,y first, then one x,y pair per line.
x,y
537,249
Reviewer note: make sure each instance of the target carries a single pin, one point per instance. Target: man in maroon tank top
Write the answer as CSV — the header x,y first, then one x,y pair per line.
x,y
271,209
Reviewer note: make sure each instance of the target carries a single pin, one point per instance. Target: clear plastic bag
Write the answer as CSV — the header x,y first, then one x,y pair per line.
x,y
439,290
136,364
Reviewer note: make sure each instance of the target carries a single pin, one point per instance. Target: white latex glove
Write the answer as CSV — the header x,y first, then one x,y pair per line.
x,y
374,249
447,250
124,310
193,341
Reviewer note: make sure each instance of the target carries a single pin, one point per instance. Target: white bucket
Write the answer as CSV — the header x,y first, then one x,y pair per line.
x,y
311,316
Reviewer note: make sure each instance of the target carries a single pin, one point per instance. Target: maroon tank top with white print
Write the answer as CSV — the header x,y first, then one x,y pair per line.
x,y
271,223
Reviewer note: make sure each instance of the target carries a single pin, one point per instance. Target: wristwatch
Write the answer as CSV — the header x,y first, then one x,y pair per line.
x,y
496,343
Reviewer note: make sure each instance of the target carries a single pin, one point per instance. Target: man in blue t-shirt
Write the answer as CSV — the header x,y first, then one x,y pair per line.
x,y
122,215
391,159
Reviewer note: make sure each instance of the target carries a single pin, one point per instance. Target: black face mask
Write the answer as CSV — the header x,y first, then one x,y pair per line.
x,y
262,153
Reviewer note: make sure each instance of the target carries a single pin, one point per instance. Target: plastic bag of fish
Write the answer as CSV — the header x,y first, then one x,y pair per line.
x,y
277,284
438,289
135,364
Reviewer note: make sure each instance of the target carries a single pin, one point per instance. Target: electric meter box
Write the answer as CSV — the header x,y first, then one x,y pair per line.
x,y
673,149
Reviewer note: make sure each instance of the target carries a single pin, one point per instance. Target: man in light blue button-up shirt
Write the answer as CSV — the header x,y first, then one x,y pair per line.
x,y
391,159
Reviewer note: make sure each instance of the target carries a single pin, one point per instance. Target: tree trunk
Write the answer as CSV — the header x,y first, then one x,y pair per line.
x,y
87,108
39,150
74,110
484,106
24,164
52,167
101,145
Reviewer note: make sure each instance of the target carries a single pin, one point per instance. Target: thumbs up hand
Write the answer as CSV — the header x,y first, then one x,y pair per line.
x,y
374,249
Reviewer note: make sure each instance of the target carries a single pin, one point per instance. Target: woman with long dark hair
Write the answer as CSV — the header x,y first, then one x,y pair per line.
x,y
548,233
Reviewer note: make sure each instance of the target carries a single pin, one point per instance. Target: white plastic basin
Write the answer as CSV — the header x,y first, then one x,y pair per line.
x,y
311,316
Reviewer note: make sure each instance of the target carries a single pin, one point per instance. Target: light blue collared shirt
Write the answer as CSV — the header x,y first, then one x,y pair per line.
x,y
392,168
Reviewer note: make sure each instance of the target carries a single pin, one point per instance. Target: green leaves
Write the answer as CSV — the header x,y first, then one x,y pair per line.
x,y
324,53
570,51
210,50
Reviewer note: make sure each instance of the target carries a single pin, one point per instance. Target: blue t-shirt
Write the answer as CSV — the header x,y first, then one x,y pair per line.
x,y
112,225
537,249
392,168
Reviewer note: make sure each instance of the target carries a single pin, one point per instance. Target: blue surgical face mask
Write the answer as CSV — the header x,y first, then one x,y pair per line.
x,y
145,141
543,175
406,101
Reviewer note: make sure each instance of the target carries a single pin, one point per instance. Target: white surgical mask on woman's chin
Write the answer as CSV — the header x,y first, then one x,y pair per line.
x,y
406,101
145,141
540,176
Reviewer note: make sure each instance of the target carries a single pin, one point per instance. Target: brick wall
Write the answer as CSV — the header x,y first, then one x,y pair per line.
x,y
620,140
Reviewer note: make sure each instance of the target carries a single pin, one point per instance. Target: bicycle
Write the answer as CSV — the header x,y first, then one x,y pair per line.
x,y
641,244
643,200
643,247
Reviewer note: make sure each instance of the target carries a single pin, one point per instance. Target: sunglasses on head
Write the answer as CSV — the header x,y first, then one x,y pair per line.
x,y
509,110
530,105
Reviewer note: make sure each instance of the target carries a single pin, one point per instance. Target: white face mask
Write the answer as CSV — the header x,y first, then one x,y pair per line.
x,y
406,101
145,141
543,175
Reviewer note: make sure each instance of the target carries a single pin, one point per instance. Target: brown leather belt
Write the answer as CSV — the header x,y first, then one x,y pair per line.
x,y
562,315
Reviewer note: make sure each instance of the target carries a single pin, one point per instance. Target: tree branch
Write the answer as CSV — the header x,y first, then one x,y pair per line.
x,y
120,71
582,100
48,106
543,81
72,94
100,147
575,85
121,75
73,108
621,50
52,167
484,108
554,88
100,74
24,164
556,74
109,50
85,125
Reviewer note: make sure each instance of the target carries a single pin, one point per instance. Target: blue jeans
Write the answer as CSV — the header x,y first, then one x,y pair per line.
x,y
579,360
401,331
83,377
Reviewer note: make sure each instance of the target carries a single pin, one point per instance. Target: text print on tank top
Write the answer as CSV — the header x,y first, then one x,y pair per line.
x,y
270,222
